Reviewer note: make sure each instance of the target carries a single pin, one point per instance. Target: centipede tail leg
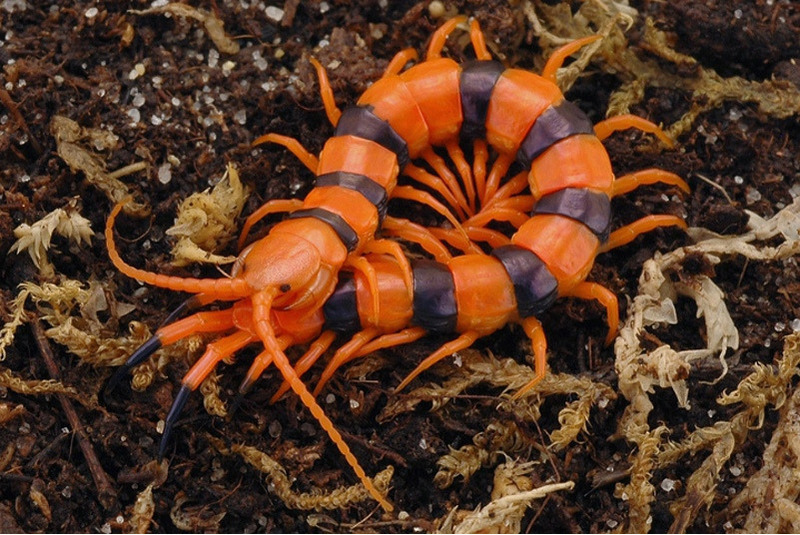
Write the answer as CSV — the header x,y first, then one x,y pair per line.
x,y
604,296
215,352
533,328
645,177
326,91
262,304
169,334
605,128
628,233
462,342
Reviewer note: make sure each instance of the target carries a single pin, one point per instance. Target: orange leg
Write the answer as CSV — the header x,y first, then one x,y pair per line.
x,y
464,170
494,238
515,185
462,342
605,128
423,197
415,233
478,41
557,59
439,165
262,304
627,183
457,240
309,358
440,36
406,336
393,249
480,156
361,264
260,363
628,233
533,328
601,294
345,354
271,207
399,61
435,183
496,174
309,160
215,352
326,91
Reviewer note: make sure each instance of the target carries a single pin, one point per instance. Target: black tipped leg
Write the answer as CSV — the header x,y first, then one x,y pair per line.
x,y
172,417
190,304
138,356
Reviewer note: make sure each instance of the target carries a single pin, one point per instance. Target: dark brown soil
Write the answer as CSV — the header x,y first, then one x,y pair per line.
x,y
188,108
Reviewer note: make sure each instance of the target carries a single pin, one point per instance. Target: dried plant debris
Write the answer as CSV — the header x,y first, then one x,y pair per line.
x,y
641,371
280,485
214,27
556,25
35,238
80,148
512,494
207,222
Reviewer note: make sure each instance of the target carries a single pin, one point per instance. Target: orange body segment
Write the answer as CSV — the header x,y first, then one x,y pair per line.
x,y
518,98
575,162
392,101
360,156
434,86
485,298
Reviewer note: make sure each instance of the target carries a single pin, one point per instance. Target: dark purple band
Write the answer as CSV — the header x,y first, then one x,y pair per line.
x,y
340,226
476,83
591,208
341,308
434,297
554,124
534,286
359,121
368,188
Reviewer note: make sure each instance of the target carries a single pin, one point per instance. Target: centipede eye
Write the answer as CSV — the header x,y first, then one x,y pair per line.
x,y
285,287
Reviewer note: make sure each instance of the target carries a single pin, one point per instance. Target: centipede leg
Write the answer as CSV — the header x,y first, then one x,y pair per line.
x,y
262,304
399,61
604,296
439,165
423,197
326,91
435,183
215,321
628,233
478,41
533,328
498,171
556,60
365,343
439,37
462,342
292,145
271,207
480,157
361,264
645,177
415,233
393,249
464,170
309,358
215,352
605,128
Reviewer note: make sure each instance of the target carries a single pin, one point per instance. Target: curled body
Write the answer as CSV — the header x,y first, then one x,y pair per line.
x,y
285,283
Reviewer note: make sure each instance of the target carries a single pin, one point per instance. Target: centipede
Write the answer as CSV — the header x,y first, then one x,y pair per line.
x,y
321,270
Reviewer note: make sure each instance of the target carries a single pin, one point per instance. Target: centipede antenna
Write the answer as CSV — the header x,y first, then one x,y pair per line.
x,y
138,356
172,417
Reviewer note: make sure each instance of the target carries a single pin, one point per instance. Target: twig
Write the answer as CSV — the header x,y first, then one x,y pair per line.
x,y
105,490
9,103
